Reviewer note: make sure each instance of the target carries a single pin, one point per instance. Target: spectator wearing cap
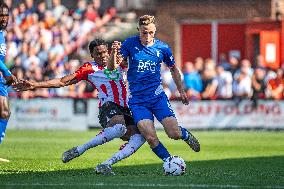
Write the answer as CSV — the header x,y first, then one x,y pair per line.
x,y
224,62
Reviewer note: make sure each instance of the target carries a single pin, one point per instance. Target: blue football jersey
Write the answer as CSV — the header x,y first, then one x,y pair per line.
x,y
2,47
3,68
144,64
2,52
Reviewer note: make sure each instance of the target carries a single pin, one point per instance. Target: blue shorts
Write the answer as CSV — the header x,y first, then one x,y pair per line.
x,y
159,107
3,88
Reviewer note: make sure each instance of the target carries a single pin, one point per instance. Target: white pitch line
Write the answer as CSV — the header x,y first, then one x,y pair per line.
x,y
4,160
144,185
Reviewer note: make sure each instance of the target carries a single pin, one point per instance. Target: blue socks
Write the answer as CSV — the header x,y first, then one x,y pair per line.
x,y
3,125
161,151
184,133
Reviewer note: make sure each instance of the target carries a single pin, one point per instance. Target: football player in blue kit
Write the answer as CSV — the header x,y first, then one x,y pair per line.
x,y
6,78
147,98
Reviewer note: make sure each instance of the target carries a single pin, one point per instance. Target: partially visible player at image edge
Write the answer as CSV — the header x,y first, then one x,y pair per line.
x,y
6,78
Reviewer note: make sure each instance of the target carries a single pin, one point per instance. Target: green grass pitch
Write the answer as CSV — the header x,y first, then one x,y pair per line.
x,y
228,159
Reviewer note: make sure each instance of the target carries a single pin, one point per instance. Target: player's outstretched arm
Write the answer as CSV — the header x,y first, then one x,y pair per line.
x,y
7,74
177,79
25,85
115,57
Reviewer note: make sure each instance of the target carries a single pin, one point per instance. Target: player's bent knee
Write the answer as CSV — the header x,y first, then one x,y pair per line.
x,y
117,119
120,129
127,134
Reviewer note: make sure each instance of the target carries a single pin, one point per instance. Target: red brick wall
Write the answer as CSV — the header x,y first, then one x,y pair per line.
x,y
169,13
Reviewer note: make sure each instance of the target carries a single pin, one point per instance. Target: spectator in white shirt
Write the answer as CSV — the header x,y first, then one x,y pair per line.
x,y
223,83
242,86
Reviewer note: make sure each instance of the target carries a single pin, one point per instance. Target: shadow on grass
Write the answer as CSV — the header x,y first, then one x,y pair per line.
x,y
258,172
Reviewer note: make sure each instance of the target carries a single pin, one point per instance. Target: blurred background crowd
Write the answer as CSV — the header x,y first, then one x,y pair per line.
x,y
228,79
47,41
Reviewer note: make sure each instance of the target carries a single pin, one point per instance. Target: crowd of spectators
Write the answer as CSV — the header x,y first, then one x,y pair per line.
x,y
44,43
229,79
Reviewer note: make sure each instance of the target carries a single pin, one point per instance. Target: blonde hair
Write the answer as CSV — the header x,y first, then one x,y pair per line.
x,y
146,20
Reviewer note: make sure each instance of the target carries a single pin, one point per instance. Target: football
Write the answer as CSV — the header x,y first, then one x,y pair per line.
x,y
174,166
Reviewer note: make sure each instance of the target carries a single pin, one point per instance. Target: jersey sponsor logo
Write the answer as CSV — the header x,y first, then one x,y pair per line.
x,y
147,66
3,49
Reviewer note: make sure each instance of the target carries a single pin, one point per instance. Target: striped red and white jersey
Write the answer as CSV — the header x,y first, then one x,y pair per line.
x,y
112,90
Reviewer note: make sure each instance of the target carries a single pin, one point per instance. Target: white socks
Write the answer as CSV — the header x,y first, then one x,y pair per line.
x,y
127,149
106,135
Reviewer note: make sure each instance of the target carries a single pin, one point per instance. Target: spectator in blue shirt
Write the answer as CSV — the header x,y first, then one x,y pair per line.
x,y
192,81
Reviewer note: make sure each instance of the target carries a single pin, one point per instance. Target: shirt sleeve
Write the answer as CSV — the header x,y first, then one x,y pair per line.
x,y
168,57
5,71
3,68
83,72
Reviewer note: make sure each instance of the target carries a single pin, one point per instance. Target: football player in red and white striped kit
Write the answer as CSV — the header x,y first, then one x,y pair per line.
x,y
114,115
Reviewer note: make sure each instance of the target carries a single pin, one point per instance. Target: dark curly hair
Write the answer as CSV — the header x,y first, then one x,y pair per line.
x,y
4,12
95,43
